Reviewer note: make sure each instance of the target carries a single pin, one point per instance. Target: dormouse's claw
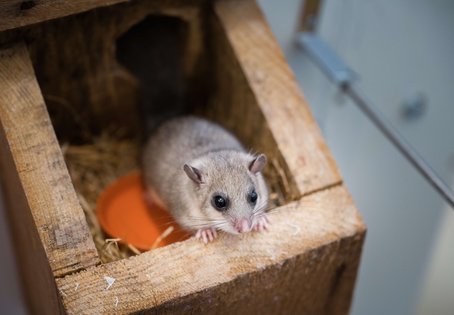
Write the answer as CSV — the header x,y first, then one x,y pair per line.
x,y
261,224
210,235
266,219
206,235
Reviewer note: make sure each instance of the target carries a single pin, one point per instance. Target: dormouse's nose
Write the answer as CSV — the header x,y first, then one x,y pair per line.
x,y
242,225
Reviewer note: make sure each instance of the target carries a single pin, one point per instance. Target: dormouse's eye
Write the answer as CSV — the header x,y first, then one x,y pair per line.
x,y
220,203
252,197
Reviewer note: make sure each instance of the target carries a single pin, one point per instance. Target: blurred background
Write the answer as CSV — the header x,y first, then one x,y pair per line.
x,y
402,51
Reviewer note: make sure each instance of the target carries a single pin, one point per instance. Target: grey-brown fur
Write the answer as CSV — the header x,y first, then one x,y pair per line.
x,y
224,165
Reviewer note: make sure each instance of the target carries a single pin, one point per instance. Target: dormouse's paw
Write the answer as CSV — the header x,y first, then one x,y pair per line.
x,y
261,223
206,235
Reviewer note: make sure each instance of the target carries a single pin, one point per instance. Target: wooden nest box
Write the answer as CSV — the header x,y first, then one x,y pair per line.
x,y
68,72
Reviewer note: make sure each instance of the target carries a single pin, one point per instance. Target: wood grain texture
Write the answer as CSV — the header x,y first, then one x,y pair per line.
x,y
305,264
19,13
44,186
84,85
234,105
261,67
36,276
37,279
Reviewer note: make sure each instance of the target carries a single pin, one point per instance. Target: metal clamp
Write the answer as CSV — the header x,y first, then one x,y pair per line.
x,y
336,70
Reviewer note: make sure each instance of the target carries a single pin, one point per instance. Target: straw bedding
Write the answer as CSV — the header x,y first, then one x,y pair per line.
x,y
93,166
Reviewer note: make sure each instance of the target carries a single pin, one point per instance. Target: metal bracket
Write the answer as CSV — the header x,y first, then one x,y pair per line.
x,y
334,67
329,62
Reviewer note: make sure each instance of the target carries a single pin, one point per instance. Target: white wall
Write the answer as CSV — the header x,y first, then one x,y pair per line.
x,y
399,48
11,302
437,294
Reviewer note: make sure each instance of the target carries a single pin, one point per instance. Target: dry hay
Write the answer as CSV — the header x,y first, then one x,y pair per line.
x,y
92,168
95,165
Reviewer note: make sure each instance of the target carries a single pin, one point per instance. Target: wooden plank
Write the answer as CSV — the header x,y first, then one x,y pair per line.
x,y
43,186
36,277
86,87
19,13
305,264
258,63
234,104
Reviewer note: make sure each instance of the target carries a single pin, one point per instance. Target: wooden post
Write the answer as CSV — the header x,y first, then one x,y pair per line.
x,y
50,232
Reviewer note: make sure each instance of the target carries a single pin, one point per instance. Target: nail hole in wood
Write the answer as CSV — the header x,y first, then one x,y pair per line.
x,y
27,5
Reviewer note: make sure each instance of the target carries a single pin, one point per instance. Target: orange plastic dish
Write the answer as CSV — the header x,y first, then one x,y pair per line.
x,y
123,213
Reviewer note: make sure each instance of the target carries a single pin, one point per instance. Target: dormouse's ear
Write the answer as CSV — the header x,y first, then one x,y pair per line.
x,y
193,173
258,164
